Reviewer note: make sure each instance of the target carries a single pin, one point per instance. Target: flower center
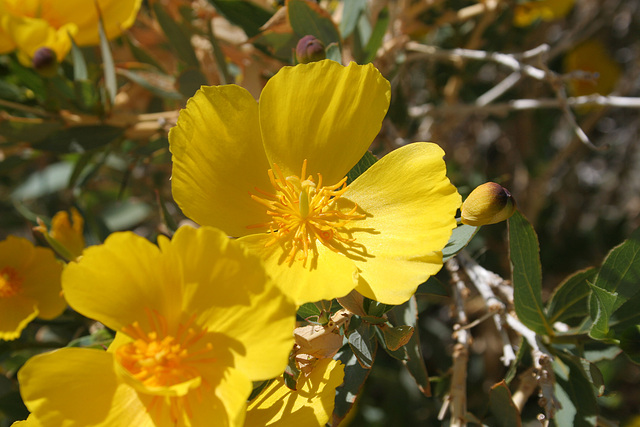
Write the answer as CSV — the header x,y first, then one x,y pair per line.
x,y
303,213
158,359
10,282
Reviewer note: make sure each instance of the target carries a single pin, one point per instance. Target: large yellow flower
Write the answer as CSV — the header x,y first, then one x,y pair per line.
x,y
28,25
29,286
529,12
197,321
273,173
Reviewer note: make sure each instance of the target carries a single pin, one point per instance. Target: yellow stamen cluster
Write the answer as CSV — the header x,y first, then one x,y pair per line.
x,y
10,282
157,359
303,212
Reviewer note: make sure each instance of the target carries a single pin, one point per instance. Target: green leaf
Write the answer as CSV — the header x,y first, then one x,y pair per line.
x,y
108,65
79,64
526,275
620,271
407,314
309,310
570,299
125,215
157,83
178,35
306,21
99,340
80,138
350,16
377,36
354,377
363,164
396,337
460,238
575,392
31,131
363,345
630,343
502,406
606,302
46,181
140,54
334,53
627,315
247,15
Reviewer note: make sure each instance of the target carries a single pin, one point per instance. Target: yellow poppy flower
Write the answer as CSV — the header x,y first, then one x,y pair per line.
x,y
273,173
29,286
28,25
66,236
592,56
197,321
310,405
527,13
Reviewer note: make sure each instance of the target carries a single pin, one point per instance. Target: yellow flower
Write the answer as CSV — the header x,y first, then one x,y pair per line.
x,y
488,203
66,235
592,56
29,286
28,25
527,13
273,173
197,321
310,405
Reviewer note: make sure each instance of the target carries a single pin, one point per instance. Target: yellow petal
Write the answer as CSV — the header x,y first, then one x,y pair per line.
x,y
226,404
218,159
410,206
229,290
311,405
116,282
53,384
322,112
117,16
15,315
330,275
31,34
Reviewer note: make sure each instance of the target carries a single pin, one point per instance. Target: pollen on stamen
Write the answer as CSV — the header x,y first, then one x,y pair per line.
x,y
302,213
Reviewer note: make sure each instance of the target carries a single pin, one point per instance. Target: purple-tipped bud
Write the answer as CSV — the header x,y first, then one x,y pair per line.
x,y
488,203
310,49
45,61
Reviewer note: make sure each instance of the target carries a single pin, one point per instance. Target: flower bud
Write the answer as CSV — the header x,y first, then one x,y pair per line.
x,y
310,49
45,61
488,203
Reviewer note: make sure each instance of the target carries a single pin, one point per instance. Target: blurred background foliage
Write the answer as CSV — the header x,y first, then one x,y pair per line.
x,y
506,87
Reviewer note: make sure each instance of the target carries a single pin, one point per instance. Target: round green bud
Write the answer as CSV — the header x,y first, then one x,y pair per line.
x,y
310,49
488,203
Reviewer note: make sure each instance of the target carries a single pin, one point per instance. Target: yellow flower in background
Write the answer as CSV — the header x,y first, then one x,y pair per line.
x,y
29,286
592,56
29,25
527,13
66,235
273,173
197,321
310,405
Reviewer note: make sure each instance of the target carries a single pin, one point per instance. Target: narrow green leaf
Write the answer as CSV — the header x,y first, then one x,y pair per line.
x,y
354,377
375,41
221,60
407,314
334,53
189,81
79,138
396,337
570,299
108,65
502,406
526,275
141,55
460,238
159,84
79,64
606,302
627,315
350,16
247,15
306,21
363,164
178,36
